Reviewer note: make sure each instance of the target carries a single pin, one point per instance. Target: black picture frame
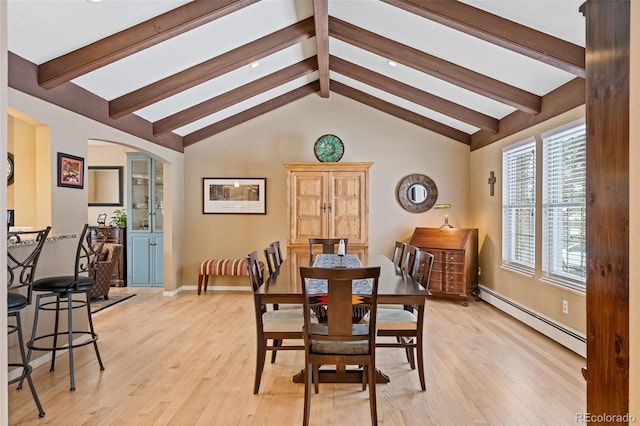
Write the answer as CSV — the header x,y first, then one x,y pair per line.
x,y
70,171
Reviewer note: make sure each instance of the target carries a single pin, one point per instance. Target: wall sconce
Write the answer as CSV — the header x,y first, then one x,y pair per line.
x,y
446,208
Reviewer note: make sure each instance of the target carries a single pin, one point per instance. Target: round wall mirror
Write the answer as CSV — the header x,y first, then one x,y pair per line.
x,y
417,193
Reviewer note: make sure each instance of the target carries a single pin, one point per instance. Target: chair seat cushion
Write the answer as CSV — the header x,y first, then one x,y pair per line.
x,y
16,301
356,347
394,319
62,283
283,320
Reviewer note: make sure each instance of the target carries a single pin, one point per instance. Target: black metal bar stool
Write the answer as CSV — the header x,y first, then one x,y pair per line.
x,y
21,271
68,293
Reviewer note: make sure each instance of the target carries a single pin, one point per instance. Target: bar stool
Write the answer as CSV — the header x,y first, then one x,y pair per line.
x,y
64,290
20,273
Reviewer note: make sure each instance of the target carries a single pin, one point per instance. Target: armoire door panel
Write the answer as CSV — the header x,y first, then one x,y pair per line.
x,y
328,200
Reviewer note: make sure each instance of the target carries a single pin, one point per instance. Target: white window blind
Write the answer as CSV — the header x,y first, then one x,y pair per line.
x,y
519,206
564,206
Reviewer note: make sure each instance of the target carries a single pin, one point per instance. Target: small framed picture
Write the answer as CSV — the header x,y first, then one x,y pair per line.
x,y
102,219
70,171
234,196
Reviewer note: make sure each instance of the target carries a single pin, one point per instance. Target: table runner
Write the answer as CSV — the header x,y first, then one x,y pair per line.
x,y
316,286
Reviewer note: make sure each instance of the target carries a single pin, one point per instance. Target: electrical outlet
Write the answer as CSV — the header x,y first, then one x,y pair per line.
x,y
565,306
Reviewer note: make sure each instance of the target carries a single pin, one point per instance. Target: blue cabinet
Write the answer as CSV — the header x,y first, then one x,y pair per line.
x,y
145,254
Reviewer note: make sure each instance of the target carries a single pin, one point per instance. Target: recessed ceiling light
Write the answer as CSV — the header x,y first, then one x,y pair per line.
x,y
255,65
94,1
392,64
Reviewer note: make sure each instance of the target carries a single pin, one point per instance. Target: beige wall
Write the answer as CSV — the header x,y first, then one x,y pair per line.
x,y
69,133
532,293
259,148
634,215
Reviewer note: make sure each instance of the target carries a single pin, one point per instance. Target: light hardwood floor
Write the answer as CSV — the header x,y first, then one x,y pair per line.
x,y
189,360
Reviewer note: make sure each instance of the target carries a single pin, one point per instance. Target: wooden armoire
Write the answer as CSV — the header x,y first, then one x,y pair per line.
x,y
328,200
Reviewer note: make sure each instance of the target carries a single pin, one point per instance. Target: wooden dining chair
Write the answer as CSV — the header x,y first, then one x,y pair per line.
x,y
271,258
278,257
275,325
398,252
329,245
408,258
406,325
338,341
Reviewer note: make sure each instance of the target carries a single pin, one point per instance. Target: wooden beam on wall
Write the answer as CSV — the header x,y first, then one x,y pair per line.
x,y
400,113
608,96
502,32
413,94
251,113
212,68
321,19
239,94
439,68
564,98
23,76
134,39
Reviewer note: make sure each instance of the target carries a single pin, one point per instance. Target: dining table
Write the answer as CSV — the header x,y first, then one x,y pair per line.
x,y
394,287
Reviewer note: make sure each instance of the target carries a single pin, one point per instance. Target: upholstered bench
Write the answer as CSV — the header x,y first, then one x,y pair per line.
x,y
229,267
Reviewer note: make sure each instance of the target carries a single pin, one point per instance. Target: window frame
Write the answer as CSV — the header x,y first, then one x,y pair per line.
x,y
519,196
561,152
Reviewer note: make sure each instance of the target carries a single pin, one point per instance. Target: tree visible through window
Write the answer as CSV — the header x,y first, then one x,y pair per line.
x,y
564,205
519,206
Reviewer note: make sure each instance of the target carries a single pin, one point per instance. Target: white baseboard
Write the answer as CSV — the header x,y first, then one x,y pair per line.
x,y
242,288
567,337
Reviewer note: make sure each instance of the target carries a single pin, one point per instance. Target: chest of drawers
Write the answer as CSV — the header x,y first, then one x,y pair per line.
x,y
455,263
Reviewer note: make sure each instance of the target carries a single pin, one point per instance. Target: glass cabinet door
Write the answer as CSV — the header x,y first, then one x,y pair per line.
x,y
158,212
140,192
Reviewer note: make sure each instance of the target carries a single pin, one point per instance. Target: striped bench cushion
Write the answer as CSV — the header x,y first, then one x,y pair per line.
x,y
229,267
224,267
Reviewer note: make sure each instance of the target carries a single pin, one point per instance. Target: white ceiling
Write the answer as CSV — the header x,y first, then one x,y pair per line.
x,y
39,31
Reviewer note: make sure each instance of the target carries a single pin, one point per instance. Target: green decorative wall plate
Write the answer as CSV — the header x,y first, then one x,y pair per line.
x,y
328,148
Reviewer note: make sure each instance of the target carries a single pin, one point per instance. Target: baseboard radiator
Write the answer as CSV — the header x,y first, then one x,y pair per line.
x,y
571,339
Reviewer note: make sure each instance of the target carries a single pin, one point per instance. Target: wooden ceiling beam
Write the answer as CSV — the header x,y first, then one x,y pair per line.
x,y
232,97
321,19
494,29
413,94
23,76
400,113
444,70
563,99
134,39
251,113
212,68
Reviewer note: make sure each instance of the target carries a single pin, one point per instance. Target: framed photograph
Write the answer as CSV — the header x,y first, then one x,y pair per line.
x,y
234,196
102,219
70,171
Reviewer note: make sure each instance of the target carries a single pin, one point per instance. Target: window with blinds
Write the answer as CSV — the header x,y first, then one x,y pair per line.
x,y
519,206
564,205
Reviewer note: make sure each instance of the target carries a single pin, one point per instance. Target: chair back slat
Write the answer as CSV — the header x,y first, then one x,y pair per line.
x,y
329,245
21,271
278,253
88,254
340,301
398,252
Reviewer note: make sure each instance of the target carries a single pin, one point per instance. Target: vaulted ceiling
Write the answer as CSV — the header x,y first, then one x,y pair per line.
x,y
177,72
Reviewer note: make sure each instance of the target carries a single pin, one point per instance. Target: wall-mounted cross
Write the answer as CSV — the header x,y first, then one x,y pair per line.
x,y
492,182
